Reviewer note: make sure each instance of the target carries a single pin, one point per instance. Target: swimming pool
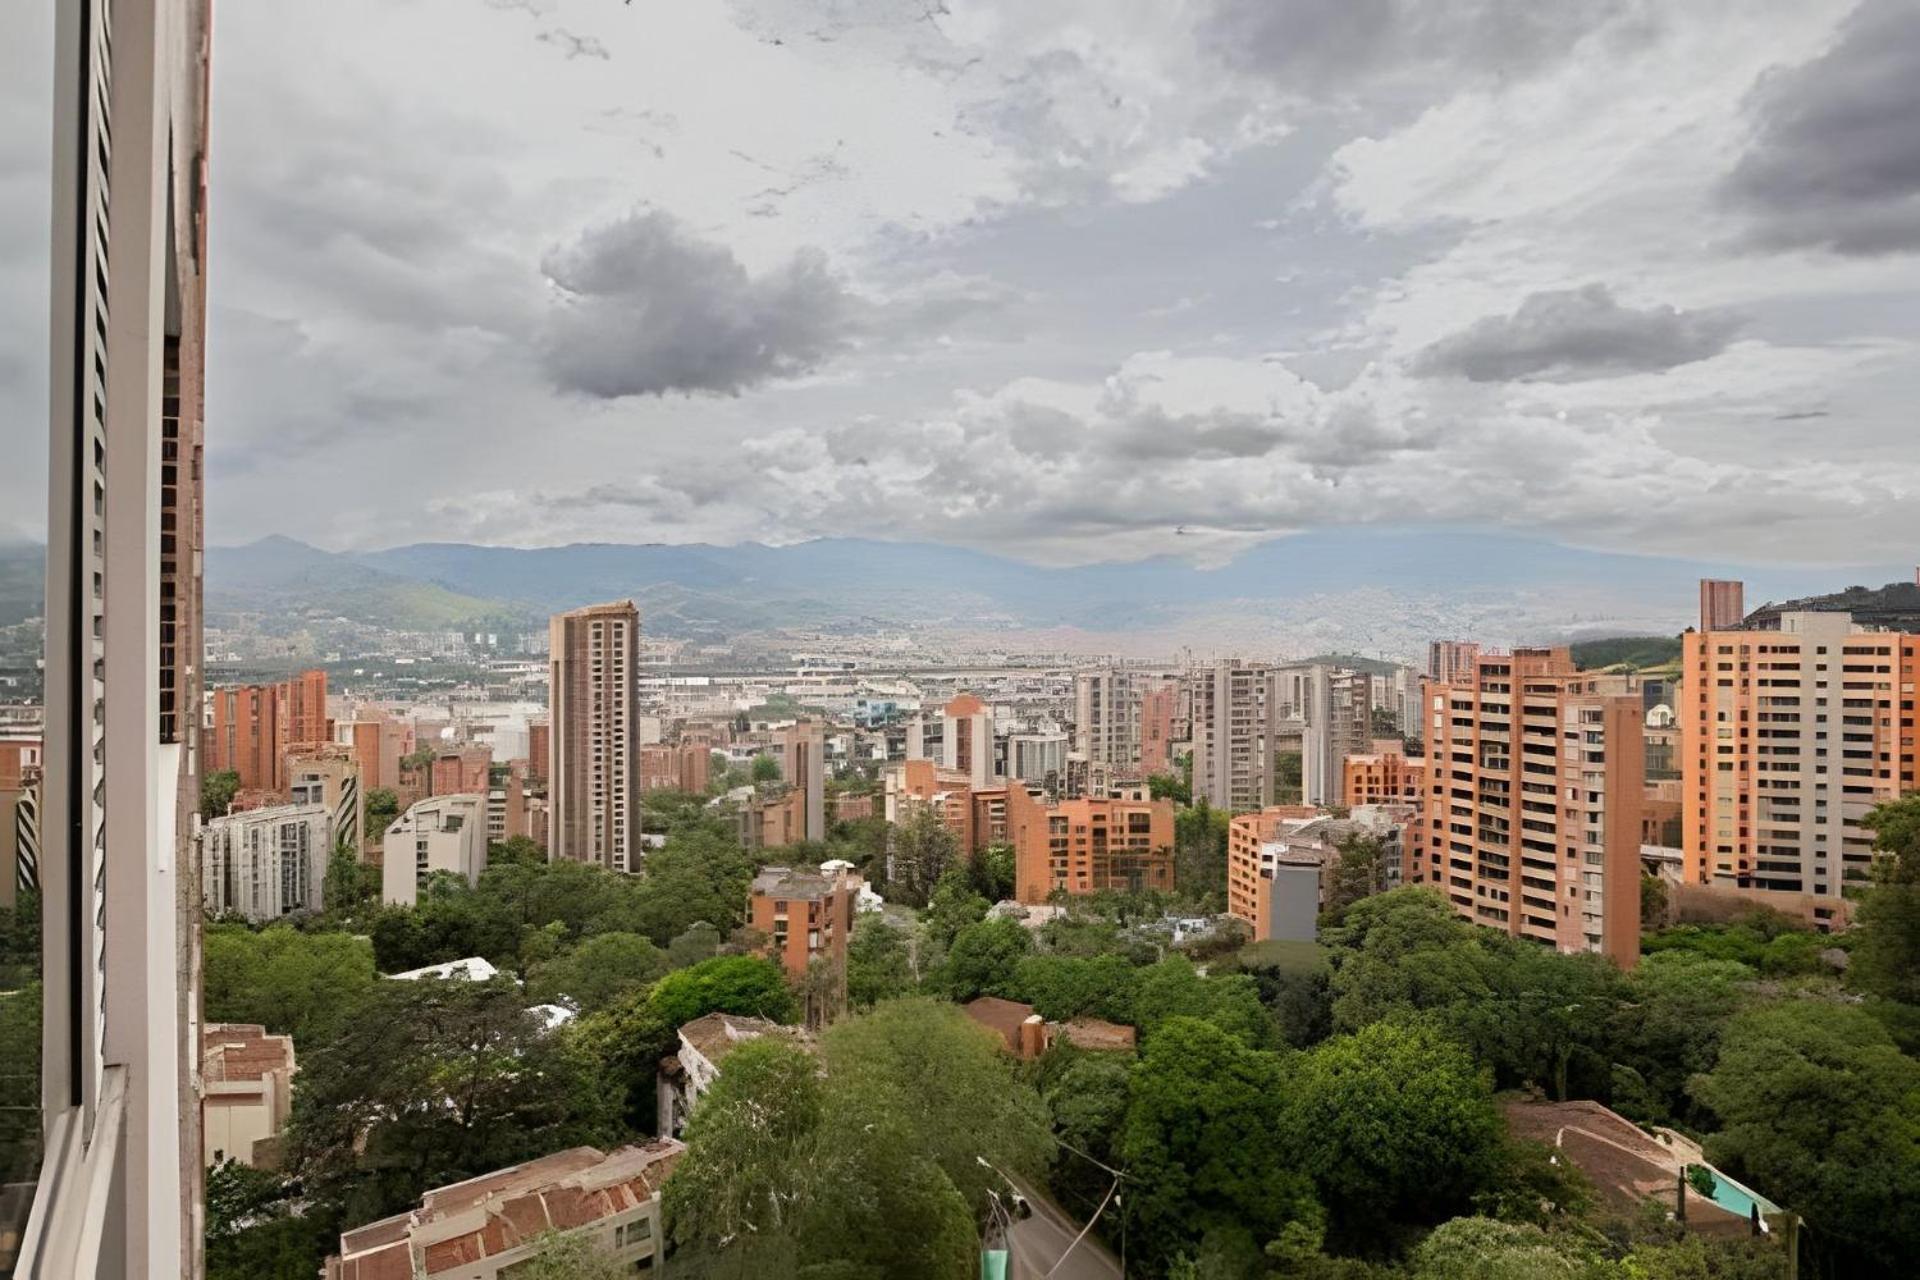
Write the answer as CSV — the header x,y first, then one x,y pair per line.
x,y
1734,1198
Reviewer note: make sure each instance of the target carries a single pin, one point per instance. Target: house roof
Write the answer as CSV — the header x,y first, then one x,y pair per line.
x,y
458,1225
1094,1033
1002,1017
716,1035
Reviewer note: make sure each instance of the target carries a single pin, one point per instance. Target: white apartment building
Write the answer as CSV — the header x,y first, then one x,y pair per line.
x,y
440,833
266,863
1236,717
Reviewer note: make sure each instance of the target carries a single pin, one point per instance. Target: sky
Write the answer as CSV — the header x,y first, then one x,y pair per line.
x,y
1072,281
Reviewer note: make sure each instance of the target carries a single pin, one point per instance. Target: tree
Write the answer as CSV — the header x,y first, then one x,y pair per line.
x,y
515,851
1394,1124
20,1083
879,961
1064,987
598,972
750,1147
1087,1095
571,1257
1360,872
1170,786
1483,1249
350,884
745,985
991,871
1668,1029
383,806
766,768
1820,1111
1886,952
292,983
1288,770
983,957
953,906
434,1082
1202,1142
1200,851
252,1232
1654,909
216,793
922,848
701,941
1173,988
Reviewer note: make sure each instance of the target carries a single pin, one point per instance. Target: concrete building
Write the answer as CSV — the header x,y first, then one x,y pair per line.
x,y
684,766
267,863
1039,758
705,1044
1248,837
1535,784
593,781
1086,845
1282,862
1722,604
1159,712
251,728
1384,775
1337,714
440,833
378,742
119,1187
966,739
1787,739
803,766
1451,661
539,746
485,1228
460,771
1027,1035
806,912
1236,715
329,775
246,1094
20,765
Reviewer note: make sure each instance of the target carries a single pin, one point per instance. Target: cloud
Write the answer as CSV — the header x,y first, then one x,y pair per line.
x,y
1344,47
1835,159
1571,335
647,307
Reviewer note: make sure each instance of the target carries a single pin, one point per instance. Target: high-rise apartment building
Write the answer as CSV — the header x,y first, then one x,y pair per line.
x,y
1722,604
1451,661
119,1189
20,763
1535,781
966,738
803,764
1236,713
329,775
250,728
1106,716
805,912
1337,715
1159,709
266,863
593,776
1787,739
378,741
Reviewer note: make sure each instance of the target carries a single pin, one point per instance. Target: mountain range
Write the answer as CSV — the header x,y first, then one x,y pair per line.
x,y
1374,588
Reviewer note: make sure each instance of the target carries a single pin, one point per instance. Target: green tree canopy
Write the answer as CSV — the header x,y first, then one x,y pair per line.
x,y
598,972
292,983
983,959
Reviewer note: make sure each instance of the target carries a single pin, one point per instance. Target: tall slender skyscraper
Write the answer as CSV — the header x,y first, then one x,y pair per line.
x,y
593,776
119,1190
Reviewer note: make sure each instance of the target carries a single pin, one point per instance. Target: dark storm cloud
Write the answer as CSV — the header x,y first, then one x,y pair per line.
x,y
1835,160
1571,335
649,308
1321,45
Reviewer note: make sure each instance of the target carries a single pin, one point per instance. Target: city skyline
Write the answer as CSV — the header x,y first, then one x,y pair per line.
x,y
1240,273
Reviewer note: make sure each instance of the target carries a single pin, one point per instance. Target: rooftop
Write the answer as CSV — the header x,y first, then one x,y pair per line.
x,y
796,882
498,1212
234,1051
718,1034
472,969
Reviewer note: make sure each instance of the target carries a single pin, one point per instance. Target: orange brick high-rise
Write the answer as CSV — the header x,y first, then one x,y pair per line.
x,y
1535,781
1083,846
252,727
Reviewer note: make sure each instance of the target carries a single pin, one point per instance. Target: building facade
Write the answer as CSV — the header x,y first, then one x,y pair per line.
x,y
440,833
803,766
1236,715
1722,604
1087,845
493,1226
1535,784
20,765
1788,739
1384,775
966,739
1451,661
251,728
266,863
593,779
1337,715
247,1094
805,912
119,1188
329,775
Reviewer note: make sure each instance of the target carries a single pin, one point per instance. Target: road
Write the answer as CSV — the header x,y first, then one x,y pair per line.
x,y
1038,1243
